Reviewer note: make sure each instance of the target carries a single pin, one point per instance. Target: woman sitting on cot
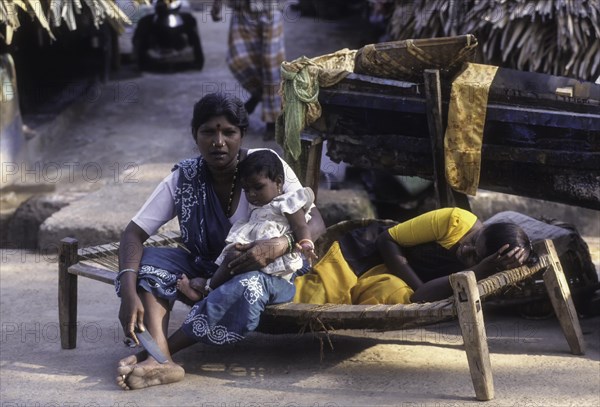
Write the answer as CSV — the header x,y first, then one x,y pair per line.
x,y
205,194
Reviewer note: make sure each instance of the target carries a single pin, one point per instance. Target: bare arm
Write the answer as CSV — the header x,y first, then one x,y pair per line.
x,y
131,246
298,225
316,224
433,290
131,312
396,262
301,231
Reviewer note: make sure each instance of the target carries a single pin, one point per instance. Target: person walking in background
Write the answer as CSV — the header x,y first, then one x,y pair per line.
x,y
256,50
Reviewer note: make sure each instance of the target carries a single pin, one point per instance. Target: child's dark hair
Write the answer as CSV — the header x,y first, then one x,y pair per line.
x,y
263,162
501,233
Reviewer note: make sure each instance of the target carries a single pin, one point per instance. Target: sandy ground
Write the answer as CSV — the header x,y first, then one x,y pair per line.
x,y
145,119
421,367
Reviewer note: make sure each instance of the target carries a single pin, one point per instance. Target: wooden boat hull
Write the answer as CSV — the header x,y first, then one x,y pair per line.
x,y
537,141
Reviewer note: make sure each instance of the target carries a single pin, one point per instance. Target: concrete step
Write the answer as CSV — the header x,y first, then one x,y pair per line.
x,y
100,216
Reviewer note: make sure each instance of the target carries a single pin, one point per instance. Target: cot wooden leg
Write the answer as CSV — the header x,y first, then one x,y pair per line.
x,y
470,318
312,147
562,302
67,294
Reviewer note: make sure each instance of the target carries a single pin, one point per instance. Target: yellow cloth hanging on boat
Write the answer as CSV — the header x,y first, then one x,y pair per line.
x,y
332,281
464,133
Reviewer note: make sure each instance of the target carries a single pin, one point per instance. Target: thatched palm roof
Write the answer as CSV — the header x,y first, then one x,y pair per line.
x,y
54,13
559,37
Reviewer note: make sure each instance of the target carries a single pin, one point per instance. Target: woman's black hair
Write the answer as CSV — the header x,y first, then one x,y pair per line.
x,y
263,162
498,234
219,104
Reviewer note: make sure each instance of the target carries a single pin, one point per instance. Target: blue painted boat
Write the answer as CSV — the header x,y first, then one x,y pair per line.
x,y
541,136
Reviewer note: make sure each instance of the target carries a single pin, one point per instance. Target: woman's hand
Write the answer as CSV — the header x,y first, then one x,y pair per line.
x,y
503,259
257,255
131,315
307,250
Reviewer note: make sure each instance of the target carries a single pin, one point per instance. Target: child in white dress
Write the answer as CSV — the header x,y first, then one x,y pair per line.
x,y
272,214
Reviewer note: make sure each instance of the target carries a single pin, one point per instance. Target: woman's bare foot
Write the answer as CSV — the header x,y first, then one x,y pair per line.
x,y
183,285
129,360
133,359
148,373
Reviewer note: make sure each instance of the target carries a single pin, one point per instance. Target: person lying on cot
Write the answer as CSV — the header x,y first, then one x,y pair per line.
x,y
411,261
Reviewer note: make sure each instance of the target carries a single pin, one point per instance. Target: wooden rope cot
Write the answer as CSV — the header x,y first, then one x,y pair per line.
x,y
101,263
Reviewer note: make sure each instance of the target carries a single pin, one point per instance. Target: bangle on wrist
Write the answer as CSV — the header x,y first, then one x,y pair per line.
x,y
308,242
123,272
290,241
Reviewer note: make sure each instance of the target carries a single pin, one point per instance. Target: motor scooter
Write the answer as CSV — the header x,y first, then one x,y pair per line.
x,y
168,39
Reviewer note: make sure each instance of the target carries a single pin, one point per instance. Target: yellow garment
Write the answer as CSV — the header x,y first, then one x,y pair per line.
x,y
329,281
300,84
379,286
333,281
464,133
445,226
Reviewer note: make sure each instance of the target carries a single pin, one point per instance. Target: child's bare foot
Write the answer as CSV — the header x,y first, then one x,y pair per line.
x,y
148,373
183,285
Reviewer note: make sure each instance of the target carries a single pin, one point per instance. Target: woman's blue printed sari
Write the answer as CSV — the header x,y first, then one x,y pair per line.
x,y
232,309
